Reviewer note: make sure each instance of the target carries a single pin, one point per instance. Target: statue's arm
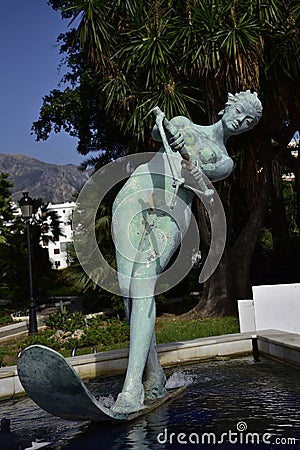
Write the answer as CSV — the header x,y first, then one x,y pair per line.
x,y
180,122
156,134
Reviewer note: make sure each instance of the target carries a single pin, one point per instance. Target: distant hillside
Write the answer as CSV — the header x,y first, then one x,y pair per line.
x,y
51,182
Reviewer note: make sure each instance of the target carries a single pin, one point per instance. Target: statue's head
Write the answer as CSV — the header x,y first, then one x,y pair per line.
x,y
242,112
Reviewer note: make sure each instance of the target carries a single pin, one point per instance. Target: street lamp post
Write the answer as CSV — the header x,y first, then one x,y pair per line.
x,y
26,206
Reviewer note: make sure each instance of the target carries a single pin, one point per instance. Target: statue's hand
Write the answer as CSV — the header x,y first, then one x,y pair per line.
x,y
196,172
176,142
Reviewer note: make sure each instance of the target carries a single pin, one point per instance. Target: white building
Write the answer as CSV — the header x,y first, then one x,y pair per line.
x,y
57,248
294,146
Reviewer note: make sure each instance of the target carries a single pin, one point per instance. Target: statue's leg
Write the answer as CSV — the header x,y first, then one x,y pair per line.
x,y
154,377
142,321
127,307
143,315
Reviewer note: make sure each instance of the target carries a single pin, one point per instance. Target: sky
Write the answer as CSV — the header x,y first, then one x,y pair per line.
x,y
29,70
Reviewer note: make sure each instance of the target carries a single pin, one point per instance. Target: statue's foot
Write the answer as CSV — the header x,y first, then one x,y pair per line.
x,y
127,403
154,386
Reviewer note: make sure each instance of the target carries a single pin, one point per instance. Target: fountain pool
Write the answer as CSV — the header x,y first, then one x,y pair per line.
x,y
227,404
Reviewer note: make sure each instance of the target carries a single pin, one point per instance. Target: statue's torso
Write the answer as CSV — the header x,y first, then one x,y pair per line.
x,y
201,142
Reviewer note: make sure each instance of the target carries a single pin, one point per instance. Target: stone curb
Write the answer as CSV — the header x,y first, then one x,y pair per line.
x,y
271,343
114,362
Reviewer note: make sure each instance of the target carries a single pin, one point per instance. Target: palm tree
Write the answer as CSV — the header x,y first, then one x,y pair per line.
x,y
74,274
185,56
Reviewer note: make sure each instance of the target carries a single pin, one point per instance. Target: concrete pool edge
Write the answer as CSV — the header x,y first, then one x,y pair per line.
x,y
273,343
280,345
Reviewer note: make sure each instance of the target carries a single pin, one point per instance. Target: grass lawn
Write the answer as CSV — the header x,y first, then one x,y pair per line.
x,y
168,329
185,330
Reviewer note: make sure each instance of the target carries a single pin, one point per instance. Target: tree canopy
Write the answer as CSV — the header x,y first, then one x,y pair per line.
x,y
125,57
14,250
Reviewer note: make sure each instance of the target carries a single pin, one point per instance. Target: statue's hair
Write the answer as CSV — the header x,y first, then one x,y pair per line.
x,y
245,97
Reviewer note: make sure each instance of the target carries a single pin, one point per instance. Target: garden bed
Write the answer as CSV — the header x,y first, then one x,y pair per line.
x,y
64,332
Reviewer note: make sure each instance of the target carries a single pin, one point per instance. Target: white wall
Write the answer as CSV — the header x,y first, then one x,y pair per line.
x,y
277,307
246,316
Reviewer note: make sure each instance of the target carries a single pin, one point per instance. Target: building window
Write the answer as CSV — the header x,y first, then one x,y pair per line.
x,y
56,251
64,246
57,264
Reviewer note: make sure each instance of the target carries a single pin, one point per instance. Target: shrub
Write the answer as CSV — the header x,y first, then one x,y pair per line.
x,y
106,332
97,330
5,319
65,321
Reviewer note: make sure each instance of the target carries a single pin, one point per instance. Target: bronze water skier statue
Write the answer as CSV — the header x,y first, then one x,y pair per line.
x,y
155,204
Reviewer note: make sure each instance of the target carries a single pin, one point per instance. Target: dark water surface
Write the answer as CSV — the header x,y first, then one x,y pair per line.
x,y
235,404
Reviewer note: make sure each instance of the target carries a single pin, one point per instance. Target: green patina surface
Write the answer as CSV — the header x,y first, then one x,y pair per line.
x,y
148,225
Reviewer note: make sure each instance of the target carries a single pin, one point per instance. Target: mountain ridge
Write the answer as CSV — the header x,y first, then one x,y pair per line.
x,y
52,182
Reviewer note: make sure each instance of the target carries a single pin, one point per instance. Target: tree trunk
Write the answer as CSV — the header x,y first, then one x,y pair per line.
x,y
297,184
279,224
216,299
243,248
231,280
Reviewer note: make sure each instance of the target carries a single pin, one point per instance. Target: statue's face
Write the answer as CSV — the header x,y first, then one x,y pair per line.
x,y
239,117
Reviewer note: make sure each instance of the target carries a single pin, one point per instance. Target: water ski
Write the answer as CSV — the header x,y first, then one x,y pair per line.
x,y
52,383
